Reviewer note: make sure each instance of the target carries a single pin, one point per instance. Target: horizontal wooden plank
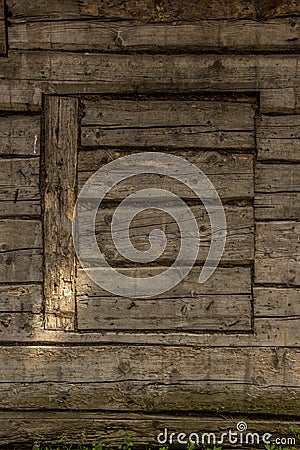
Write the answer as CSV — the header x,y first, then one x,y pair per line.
x,y
271,302
31,208
277,253
280,101
20,234
111,428
239,241
232,175
166,123
272,178
227,366
21,266
13,325
216,313
132,396
21,298
19,187
269,332
233,280
19,172
144,10
31,73
280,206
20,135
205,35
278,138
211,115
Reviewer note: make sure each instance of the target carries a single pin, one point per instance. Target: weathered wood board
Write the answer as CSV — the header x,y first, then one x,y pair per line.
x,y
116,36
278,138
277,253
239,247
20,135
59,183
231,174
3,39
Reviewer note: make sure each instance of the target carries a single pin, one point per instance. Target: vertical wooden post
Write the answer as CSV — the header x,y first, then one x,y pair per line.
x,y
3,43
60,167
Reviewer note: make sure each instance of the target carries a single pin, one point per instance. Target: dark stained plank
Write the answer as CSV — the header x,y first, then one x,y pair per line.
x,y
239,240
20,234
279,302
59,182
278,138
146,10
19,135
278,253
231,174
205,35
275,178
18,298
216,313
280,206
110,428
232,280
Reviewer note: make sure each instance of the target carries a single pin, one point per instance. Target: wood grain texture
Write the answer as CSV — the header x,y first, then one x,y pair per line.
x,y
58,426
276,178
168,124
20,135
216,313
239,241
20,234
165,11
59,181
134,36
3,44
269,332
278,206
19,187
178,364
277,253
19,299
82,73
232,280
21,266
231,174
278,138
280,302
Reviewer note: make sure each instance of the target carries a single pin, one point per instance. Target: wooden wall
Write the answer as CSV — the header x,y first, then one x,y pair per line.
x,y
109,384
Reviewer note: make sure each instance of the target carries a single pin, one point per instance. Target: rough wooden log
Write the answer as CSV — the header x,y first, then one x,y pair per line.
x,y
60,163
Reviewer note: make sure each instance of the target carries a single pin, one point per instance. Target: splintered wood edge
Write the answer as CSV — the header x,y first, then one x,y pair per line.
x,y
59,181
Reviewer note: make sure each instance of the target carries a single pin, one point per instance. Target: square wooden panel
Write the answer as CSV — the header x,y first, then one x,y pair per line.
x,y
215,134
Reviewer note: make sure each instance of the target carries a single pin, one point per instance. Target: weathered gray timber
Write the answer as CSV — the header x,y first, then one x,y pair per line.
x,y
216,83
